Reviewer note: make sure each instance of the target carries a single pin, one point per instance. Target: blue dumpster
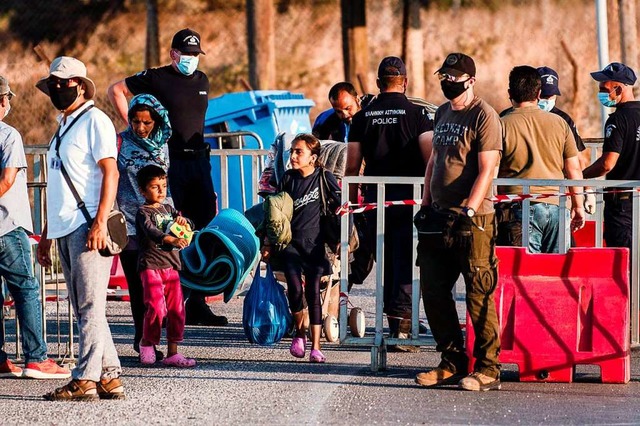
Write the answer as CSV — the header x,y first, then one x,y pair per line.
x,y
265,112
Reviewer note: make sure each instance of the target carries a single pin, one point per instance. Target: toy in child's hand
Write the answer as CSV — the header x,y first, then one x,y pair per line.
x,y
180,231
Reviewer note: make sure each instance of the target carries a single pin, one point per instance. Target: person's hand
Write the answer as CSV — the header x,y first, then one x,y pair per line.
x,y
590,201
43,252
97,238
180,220
177,242
577,218
265,252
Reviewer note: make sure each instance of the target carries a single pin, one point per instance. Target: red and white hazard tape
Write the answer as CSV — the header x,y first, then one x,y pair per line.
x,y
506,198
344,209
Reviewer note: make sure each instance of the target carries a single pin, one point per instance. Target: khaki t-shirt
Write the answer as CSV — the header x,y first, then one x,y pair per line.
x,y
536,144
458,138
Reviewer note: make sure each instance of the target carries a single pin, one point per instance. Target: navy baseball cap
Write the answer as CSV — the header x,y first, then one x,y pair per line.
x,y
549,80
187,41
458,64
391,66
616,71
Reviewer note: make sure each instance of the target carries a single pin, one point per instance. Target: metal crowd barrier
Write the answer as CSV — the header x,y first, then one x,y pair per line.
x,y
52,280
378,342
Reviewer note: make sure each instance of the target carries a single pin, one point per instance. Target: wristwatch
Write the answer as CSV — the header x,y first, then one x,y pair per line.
x,y
468,211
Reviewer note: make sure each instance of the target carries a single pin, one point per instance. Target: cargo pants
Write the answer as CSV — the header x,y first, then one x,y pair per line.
x,y
467,249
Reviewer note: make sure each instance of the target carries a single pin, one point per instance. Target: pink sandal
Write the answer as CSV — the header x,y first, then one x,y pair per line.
x,y
297,348
179,360
316,356
147,355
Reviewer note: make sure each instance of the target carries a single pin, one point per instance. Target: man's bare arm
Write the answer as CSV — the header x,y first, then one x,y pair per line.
x,y
117,94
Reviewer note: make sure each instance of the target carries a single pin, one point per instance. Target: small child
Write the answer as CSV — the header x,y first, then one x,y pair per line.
x,y
158,264
306,252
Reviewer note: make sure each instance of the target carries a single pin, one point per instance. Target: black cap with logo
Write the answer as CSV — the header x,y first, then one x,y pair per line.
x,y
187,41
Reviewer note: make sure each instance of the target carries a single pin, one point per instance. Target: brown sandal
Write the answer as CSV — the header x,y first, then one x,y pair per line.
x,y
75,390
110,389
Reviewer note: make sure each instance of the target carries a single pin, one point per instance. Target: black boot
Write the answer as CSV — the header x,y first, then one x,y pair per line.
x,y
198,312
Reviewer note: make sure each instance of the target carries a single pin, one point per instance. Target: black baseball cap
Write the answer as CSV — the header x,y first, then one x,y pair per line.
x,y
549,80
458,64
187,41
391,66
616,71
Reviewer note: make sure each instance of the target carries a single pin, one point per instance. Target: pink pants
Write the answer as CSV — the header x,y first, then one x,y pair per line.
x,y
162,298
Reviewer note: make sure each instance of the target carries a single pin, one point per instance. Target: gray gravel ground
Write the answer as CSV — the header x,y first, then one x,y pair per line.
x,y
239,383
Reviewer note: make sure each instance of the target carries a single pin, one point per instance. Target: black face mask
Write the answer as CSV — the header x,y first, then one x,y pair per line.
x,y
452,90
63,97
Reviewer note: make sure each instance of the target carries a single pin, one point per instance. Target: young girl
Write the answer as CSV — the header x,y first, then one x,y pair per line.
x,y
158,264
306,252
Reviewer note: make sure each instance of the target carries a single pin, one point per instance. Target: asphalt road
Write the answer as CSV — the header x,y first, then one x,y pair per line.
x,y
239,383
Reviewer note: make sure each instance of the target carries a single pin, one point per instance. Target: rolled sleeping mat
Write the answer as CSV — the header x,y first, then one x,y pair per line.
x,y
221,256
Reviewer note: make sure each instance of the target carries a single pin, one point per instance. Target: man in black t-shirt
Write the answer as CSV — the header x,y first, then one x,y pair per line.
x,y
393,136
183,90
620,158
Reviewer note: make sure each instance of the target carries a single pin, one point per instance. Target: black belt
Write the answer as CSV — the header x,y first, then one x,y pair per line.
x,y
618,196
189,154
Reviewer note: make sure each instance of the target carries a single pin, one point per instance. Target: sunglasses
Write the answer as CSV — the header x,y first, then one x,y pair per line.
x,y
61,82
453,78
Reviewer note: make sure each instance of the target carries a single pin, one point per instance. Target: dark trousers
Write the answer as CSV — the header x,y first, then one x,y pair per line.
x,y
129,260
618,221
192,189
398,250
195,198
470,251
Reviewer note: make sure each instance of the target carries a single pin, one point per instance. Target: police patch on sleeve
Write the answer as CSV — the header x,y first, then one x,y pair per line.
x,y
608,130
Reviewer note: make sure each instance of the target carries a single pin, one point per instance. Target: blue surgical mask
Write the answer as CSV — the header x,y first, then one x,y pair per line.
x,y
187,65
546,104
605,100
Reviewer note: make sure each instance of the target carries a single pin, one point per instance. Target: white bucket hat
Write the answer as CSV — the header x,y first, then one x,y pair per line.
x,y
67,67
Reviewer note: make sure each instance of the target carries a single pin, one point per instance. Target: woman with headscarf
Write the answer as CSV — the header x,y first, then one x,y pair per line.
x,y
143,143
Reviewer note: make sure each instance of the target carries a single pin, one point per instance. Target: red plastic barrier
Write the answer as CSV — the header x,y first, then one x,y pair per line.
x,y
586,237
117,280
557,311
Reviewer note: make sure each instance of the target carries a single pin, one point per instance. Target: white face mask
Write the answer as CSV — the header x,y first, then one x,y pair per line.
x,y
6,111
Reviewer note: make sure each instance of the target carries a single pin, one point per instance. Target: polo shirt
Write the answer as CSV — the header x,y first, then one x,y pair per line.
x,y
622,135
91,139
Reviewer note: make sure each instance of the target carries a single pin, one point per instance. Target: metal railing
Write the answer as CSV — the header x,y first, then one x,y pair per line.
x,y
52,281
378,342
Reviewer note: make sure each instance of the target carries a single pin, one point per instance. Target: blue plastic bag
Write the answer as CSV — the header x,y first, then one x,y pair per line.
x,y
265,316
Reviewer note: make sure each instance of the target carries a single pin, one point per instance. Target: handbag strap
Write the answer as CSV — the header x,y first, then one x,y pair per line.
x,y
63,170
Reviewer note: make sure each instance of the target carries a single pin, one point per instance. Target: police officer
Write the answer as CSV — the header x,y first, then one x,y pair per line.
x,y
183,90
621,150
393,136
